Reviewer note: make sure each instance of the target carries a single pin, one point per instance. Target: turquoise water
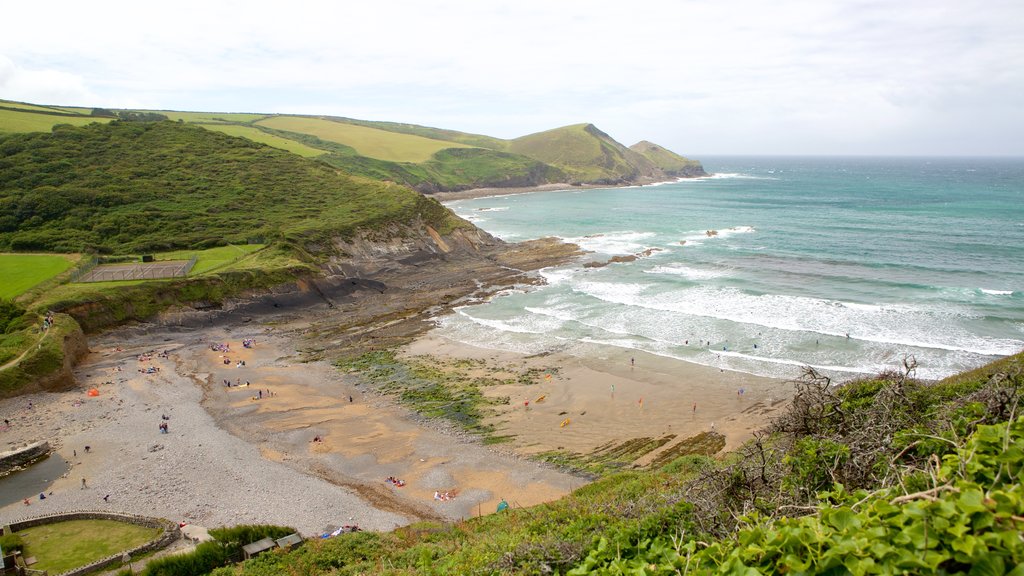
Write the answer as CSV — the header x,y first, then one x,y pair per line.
x,y
845,264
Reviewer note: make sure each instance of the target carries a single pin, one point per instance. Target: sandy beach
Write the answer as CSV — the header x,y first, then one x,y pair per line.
x,y
246,453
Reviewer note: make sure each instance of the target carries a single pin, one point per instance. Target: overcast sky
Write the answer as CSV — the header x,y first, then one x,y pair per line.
x,y
704,77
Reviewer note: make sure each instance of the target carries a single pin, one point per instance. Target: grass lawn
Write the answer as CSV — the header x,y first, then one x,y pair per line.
x,y
371,142
65,545
257,135
27,121
23,271
211,258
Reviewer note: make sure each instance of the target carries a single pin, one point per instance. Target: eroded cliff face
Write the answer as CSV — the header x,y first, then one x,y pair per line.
x,y
380,288
381,292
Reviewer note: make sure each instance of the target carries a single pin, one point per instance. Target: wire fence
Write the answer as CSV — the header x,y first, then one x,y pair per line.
x,y
146,271
84,267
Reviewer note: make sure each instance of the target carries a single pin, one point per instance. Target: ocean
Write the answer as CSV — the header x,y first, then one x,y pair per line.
x,y
848,265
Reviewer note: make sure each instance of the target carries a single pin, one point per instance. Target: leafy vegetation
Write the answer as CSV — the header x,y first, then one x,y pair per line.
x,y
225,547
144,187
23,271
62,546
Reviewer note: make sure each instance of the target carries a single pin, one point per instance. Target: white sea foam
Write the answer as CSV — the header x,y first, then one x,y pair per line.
x,y
613,243
687,272
525,324
495,209
731,175
557,275
996,292
893,324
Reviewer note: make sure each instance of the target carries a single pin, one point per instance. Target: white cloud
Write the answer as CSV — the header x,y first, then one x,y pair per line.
x,y
42,86
740,76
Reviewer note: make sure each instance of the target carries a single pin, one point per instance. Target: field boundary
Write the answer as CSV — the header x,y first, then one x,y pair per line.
x,y
171,532
138,271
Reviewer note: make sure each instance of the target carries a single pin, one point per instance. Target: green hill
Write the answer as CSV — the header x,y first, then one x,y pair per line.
x,y
668,161
130,187
421,157
586,154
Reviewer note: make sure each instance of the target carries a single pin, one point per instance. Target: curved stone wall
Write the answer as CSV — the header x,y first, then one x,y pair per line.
x,y
10,461
170,532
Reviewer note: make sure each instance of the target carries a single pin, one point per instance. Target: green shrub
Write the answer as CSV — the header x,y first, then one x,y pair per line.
x,y
11,542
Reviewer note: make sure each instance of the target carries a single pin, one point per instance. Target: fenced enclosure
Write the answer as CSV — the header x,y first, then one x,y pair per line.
x,y
139,271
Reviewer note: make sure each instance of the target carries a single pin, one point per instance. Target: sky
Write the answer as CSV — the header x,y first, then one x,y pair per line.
x,y
897,77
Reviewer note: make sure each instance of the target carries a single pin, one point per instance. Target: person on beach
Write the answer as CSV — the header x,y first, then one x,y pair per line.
x,y
83,484
632,361
694,407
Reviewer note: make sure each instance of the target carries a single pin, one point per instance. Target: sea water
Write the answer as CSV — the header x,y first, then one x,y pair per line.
x,y
848,265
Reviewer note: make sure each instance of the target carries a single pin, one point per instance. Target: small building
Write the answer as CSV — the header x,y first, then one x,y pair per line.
x,y
258,546
289,541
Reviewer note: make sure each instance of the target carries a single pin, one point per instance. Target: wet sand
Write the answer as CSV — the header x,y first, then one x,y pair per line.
x,y
245,454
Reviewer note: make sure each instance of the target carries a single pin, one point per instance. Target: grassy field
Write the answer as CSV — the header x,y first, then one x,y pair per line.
x,y
23,271
257,135
65,545
371,142
205,117
15,121
211,258
23,106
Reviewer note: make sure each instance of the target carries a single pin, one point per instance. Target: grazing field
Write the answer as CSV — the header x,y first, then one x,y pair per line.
x,y
206,117
23,271
27,121
63,546
257,135
371,142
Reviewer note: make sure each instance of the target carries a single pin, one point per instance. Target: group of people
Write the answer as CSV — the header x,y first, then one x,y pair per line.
x,y
396,482
218,347
446,495
249,342
47,321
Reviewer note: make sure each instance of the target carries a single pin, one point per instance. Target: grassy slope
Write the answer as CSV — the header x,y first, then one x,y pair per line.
x,y
371,142
475,140
584,152
257,135
664,158
23,271
17,121
131,188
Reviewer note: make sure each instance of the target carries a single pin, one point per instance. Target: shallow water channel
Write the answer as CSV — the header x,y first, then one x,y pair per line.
x,y
28,483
